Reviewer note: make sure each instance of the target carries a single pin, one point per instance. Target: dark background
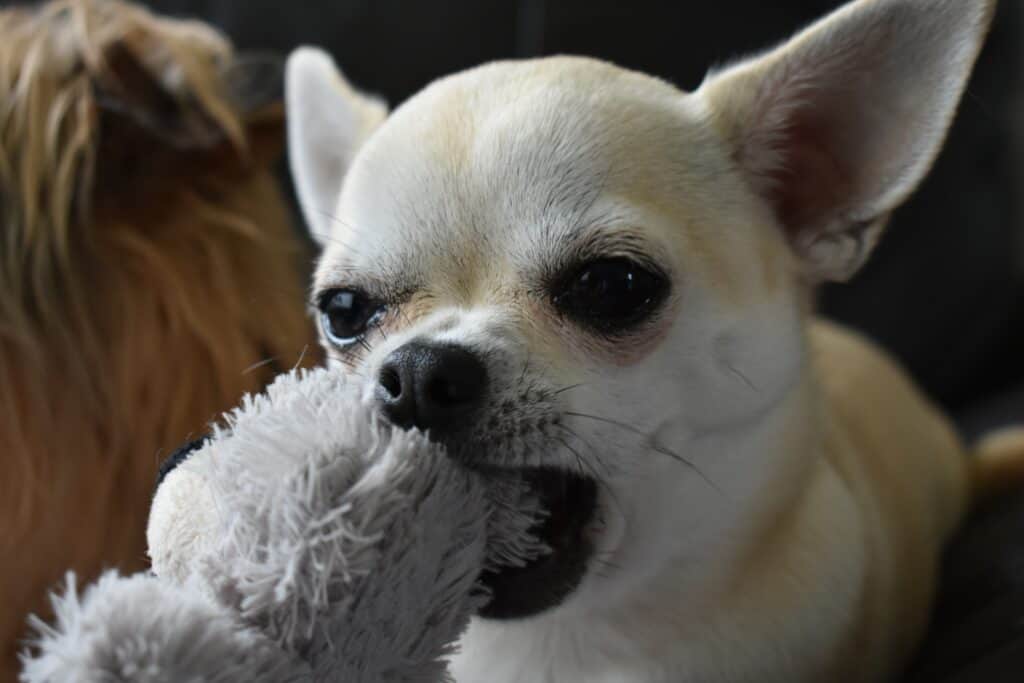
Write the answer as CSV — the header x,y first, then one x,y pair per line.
x,y
944,291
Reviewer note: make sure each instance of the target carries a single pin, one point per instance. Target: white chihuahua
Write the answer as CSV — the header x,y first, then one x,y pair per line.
x,y
582,273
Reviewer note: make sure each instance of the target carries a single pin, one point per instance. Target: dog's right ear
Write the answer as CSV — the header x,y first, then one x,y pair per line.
x,y
328,120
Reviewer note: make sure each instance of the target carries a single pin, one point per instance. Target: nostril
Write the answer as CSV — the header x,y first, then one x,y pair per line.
x,y
390,380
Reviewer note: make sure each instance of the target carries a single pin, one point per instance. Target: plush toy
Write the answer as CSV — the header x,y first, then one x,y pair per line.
x,y
303,540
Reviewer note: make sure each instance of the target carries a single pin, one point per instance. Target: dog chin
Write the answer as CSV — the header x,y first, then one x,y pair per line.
x,y
571,502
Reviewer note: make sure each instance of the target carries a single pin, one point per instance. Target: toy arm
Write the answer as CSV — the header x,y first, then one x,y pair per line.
x,y
144,630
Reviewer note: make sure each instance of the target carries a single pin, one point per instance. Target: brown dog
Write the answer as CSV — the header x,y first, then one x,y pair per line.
x,y
149,269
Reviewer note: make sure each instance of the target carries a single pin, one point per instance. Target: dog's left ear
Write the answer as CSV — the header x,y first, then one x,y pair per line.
x,y
838,126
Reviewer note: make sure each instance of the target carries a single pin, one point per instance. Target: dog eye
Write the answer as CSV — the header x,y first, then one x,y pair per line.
x,y
611,294
347,314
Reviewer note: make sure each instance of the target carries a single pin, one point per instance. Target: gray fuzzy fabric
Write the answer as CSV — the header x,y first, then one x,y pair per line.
x,y
141,629
348,548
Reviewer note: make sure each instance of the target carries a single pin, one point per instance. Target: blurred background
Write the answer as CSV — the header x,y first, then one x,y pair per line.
x,y
943,291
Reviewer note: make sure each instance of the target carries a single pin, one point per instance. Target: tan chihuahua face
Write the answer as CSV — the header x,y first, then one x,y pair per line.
x,y
582,273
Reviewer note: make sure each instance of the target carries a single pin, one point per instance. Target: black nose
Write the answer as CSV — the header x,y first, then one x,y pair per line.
x,y
431,387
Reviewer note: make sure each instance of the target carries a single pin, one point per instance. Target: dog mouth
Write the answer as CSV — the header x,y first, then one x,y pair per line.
x,y
570,502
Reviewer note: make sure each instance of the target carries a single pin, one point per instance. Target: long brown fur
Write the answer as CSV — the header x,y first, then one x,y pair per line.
x,y
149,275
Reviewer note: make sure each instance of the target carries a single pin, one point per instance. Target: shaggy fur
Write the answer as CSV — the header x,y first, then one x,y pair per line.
x,y
325,542
147,268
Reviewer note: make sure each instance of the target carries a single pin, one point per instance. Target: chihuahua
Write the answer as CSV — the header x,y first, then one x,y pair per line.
x,y
583,274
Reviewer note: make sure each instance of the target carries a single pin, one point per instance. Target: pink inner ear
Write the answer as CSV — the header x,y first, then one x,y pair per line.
x,y
811,181
838,126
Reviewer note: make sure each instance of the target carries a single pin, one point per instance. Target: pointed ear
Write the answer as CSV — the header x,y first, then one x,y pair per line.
x,y
838,126
328,120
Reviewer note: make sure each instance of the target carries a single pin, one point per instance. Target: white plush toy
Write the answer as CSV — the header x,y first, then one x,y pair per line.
x,y
304,540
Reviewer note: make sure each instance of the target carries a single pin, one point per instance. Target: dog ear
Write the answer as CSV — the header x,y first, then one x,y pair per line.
x,y
838,126
328,120
168,116
134,99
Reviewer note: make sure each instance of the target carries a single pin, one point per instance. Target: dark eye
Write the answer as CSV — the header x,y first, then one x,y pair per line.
x,y
347,314
610,294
